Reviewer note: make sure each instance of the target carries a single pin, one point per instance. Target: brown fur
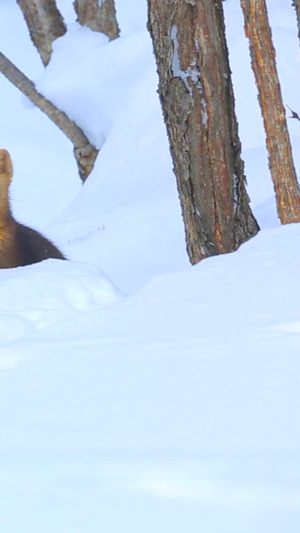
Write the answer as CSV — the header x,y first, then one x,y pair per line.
x,y
19,244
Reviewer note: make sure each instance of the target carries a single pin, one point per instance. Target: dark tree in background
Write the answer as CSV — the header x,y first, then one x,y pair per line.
x,y
296,4
281,163
198,104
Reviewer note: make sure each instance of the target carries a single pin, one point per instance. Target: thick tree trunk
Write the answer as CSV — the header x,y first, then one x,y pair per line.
x,y
262,52
197,99
99,15
45,24
84,152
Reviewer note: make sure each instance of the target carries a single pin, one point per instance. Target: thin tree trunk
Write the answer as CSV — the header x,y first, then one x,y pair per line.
x,y
281,163
84,152
99,15
296,4
45,24
197,99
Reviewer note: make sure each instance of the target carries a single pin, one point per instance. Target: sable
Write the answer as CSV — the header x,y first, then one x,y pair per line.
x,y
19,244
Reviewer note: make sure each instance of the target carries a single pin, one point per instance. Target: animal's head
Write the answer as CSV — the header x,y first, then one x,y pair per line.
x,y
6,170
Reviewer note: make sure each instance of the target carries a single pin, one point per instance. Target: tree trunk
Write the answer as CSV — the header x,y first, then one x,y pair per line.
x,y
262,52
84,152
296,4
45,24
197,99
99,16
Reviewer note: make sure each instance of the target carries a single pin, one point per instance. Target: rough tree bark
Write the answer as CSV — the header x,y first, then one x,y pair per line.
x,y
99,15
197,99
263,59
84,152
45,24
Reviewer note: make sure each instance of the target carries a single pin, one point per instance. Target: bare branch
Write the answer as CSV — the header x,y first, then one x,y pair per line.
x,y
85,153
294,114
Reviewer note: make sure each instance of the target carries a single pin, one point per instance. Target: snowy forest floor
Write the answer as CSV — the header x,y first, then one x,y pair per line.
x,y
139,394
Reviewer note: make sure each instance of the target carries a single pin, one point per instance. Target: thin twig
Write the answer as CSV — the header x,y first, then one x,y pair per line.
x,y
294,114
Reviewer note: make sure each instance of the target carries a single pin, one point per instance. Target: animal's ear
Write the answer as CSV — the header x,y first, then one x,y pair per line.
x,y
5,165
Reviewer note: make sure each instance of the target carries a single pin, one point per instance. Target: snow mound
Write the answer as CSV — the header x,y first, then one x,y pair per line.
x,y
45,293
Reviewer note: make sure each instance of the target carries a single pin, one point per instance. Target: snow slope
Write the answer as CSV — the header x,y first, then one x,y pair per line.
x,y
138,393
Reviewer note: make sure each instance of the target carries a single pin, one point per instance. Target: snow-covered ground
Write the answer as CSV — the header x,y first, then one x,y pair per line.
x,y
139,394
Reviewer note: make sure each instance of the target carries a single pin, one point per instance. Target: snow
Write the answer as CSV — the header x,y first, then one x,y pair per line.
x,y
191,73
139,393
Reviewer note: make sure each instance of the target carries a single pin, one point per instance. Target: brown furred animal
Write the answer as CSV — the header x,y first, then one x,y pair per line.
x,y
19,245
